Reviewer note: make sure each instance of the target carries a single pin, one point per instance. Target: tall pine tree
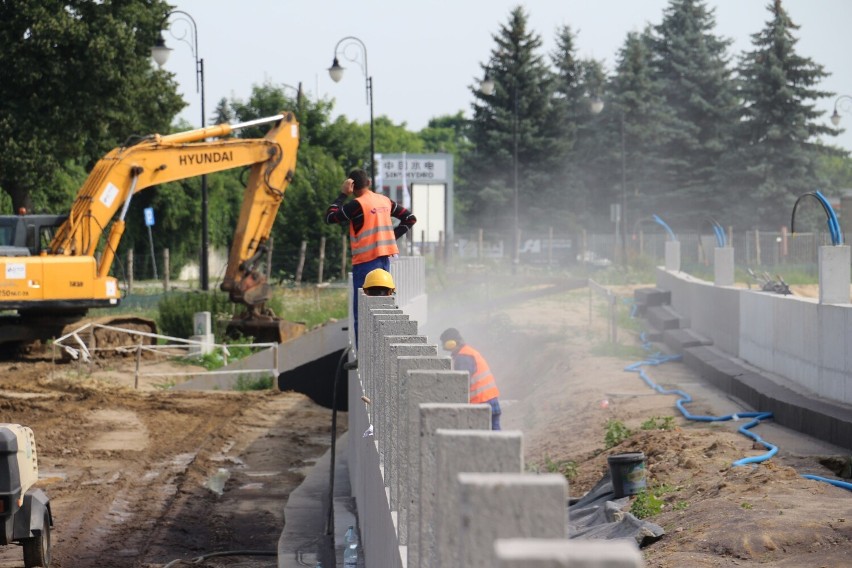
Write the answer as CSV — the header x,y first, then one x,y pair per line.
x,y
778,159
691,64
513,121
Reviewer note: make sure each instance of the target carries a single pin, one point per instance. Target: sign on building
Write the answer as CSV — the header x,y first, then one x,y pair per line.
x,y
424,184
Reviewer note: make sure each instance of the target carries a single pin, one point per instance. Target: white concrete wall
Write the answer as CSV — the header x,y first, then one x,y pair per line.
x,y
433,485
794,337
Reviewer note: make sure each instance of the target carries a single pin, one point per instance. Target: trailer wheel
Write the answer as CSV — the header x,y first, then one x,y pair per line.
x,y
37,548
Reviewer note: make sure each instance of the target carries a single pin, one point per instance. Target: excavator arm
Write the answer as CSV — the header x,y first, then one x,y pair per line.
x,y
73,273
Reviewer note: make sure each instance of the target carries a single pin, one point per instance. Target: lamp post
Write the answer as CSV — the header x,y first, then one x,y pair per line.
x,y
160,53
487,88
336,73
596,106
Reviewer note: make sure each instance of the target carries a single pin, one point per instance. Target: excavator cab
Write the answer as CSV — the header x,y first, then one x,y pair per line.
x,y
27,235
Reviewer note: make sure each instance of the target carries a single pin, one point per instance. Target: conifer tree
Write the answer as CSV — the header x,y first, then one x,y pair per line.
x,y
692,66
780,156
516,113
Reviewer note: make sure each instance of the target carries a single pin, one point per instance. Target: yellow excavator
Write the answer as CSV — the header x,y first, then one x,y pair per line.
x,y
54,268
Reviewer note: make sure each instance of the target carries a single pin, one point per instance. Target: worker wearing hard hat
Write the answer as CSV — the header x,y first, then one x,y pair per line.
x,y
379,282
483,389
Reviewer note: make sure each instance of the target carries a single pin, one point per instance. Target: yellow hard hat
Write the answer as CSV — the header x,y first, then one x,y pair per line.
x,y
379,278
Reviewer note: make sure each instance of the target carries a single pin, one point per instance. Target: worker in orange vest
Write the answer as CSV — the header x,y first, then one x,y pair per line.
x,y
372,235
483,389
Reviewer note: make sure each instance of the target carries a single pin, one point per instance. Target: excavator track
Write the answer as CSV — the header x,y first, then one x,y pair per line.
x,y
28,335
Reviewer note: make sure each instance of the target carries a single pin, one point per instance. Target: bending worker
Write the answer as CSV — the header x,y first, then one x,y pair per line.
x,y
372,235
379,282
483,389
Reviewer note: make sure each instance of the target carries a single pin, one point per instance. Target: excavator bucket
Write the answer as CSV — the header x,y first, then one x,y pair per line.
x,y
265,329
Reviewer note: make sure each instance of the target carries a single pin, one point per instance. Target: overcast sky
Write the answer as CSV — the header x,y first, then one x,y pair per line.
x,y
425,56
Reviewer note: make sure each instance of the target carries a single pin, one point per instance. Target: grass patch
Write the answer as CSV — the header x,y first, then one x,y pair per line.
x,y
658,423
615,433
253,383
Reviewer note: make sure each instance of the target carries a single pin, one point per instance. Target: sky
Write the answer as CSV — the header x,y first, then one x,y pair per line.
x,y
424,57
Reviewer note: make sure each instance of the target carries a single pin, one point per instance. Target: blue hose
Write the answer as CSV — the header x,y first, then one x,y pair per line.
x,y
666,227
658,359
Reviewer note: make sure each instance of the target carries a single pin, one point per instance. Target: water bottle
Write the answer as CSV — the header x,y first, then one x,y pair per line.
x,y
350,536
350,556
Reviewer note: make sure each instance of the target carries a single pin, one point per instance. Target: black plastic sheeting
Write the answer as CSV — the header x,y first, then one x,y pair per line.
x,y
598,515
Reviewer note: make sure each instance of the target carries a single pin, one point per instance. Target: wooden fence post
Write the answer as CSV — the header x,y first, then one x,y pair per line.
x,y
129,272
301,265
321,260
166,273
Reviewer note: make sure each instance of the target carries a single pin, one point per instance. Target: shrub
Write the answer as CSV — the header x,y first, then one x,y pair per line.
x,y
616,432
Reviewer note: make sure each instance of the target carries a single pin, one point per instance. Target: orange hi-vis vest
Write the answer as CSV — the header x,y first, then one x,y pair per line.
x,y
376,237
482,385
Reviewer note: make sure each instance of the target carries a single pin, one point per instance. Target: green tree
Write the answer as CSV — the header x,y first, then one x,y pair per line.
x,y
781,155
513,121
77,81
691,64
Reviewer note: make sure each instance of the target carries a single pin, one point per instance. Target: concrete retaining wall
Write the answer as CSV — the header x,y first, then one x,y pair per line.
x,y
796,338
433,485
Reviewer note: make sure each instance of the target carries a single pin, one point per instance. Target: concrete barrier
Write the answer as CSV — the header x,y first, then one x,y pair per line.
x,y
421,457
799,339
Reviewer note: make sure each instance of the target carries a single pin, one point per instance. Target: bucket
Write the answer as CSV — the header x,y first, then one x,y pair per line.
x,y
627,472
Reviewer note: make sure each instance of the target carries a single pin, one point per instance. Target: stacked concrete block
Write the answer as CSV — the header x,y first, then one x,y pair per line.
x,y
560,553
460,451
420,379
504,505
427,356
423,490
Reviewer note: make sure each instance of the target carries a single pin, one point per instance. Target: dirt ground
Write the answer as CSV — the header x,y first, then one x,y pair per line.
x,y
132,474
129,470
561,395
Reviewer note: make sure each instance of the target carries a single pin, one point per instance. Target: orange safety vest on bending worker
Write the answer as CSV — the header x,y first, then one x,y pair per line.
x,y
482,385
376,237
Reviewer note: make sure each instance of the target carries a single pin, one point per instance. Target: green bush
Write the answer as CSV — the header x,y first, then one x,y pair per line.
x,y
176,310
646,504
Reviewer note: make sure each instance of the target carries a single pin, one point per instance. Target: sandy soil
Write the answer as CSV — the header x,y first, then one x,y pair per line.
x,y
131,474
129,470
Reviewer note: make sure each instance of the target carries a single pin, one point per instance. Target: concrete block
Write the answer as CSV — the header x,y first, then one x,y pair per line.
x,y
652,297
504,505
460,451
672,256
406,358
562,553
385,400
834,274
423,515
723,266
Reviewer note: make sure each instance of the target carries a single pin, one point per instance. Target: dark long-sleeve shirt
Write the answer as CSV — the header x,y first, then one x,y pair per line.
x,y
351,212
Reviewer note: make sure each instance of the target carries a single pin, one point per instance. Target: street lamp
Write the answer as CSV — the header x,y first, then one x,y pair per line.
x,y
835,118
160,53
486,86
336,74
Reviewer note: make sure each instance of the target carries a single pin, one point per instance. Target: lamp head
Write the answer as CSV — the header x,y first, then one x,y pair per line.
x,y
336,71
487,86
160,52
835,118
596,106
